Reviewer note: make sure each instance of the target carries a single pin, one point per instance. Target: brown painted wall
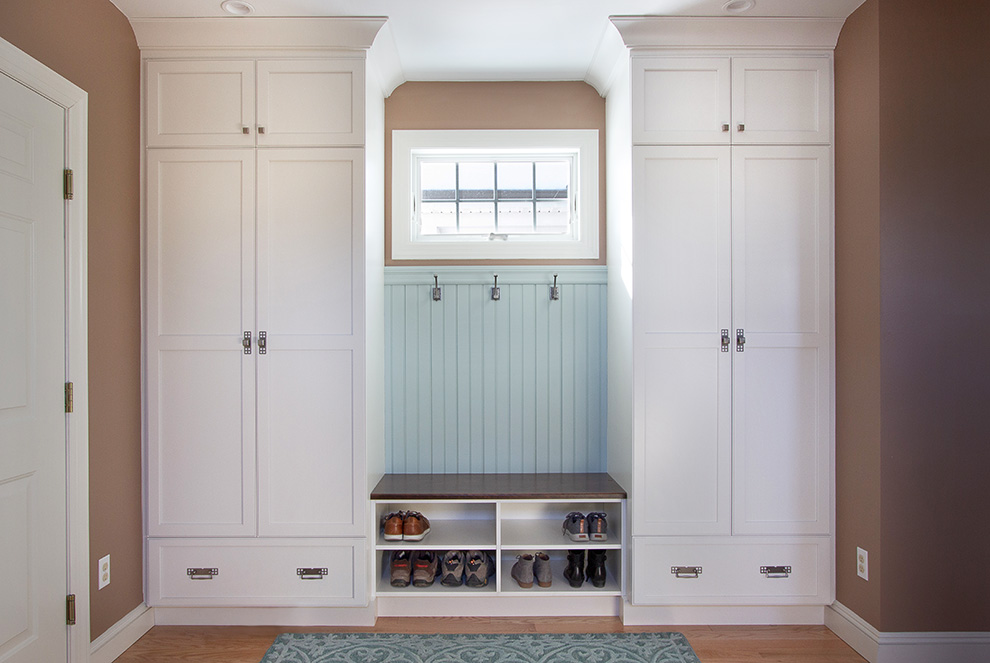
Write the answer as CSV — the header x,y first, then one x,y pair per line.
x,y
935,281
933,274
497,105
90,43
857,310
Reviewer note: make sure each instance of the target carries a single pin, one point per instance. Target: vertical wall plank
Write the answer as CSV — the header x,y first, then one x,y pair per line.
x,y
474,385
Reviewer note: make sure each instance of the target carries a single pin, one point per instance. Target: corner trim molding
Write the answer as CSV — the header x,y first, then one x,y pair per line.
x,y
116,639
906,647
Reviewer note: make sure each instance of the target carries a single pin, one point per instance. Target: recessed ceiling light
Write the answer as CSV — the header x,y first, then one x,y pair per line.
x,y
239,7
738,6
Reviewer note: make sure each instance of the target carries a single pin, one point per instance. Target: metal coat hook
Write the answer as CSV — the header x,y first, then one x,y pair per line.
x,y
496,293
554,290
436,288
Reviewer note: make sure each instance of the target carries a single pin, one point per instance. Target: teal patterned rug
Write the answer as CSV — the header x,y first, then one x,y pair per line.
x,y
487,648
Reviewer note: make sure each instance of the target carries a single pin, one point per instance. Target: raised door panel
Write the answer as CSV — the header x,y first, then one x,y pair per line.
x,y
681,100
682,407
200,284
310,385
781,100
781,299
200,103
310,102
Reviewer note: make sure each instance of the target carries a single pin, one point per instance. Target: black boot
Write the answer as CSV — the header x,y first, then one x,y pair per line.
x,y
575,568
596,567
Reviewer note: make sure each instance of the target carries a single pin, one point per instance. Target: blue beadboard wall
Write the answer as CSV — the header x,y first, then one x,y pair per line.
x,y
478,386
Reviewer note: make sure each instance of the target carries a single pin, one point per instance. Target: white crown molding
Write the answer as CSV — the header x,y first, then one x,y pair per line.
x,y
385,63
722,32
605,63
298,33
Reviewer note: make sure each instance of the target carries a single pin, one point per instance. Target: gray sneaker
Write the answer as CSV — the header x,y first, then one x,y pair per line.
x,y
575,526
478,568
541,567
597,526
452,569
522,570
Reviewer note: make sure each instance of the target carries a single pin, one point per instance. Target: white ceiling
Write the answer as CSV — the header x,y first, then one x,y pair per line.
x,y
490,39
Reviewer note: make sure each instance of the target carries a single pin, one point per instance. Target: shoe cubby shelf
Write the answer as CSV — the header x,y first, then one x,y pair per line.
x,y
506,515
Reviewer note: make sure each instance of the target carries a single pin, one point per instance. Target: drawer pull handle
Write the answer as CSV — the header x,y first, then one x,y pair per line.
x,y
686,571
311,573
776,571
202,573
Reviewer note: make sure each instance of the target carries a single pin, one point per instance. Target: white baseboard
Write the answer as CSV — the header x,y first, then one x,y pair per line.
x,y
266,616
854,630
921,647
116,639
498,606
721,615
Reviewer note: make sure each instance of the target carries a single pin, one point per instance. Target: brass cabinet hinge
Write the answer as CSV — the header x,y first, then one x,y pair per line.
x,y
70,609
67,183
68,397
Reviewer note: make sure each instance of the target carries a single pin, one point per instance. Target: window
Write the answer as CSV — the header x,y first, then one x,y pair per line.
x,y
494,194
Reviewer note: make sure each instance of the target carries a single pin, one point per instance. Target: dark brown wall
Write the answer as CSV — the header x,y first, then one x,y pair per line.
x,y
857,310
934,285
90,43
496,105
935,281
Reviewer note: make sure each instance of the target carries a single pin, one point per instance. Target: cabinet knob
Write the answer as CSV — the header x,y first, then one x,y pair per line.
x,y
261,130
725,126
245,130
741,127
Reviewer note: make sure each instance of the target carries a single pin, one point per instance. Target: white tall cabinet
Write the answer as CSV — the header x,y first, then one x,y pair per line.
x,y
255,321
730,256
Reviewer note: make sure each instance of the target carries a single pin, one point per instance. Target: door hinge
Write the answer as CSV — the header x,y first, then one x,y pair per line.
x,y
68,397
67,183
70,609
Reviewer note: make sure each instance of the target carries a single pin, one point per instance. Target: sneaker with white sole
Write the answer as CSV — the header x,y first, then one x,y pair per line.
x,y
575,526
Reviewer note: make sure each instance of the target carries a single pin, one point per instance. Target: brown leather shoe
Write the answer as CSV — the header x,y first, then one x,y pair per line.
x,y
415,526
393,525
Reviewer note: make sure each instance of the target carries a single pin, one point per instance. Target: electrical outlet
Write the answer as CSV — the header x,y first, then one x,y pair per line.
x,y
103,571
862,564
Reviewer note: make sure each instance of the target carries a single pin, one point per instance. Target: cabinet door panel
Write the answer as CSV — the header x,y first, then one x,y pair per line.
x,y
200,104
681,239
781,298
310,284
684,409
311,102
201,443
680,100
201,241
781,100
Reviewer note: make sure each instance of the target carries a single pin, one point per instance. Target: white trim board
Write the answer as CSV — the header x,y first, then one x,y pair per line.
x,y
498,606
26,70
507,274
714,615
119,637
306,616
892,647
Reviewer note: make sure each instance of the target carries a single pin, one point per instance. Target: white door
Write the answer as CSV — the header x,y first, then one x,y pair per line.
x,y
33,560
682,412
781,263
200,271
310,280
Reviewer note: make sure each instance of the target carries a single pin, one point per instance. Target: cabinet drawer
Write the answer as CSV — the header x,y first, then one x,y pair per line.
x,y
273,572
730,572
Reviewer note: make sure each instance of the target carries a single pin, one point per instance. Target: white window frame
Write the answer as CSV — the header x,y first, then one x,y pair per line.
x,y
580,244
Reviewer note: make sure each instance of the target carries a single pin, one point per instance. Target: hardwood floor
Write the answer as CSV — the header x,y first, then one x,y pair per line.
x,y
713,644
